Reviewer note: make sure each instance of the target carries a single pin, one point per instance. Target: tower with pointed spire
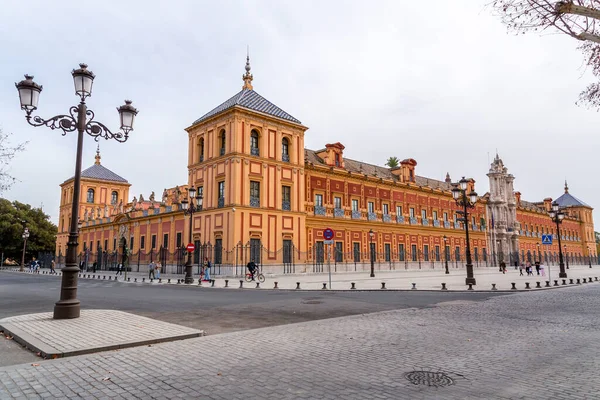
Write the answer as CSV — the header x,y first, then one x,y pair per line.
x,y
247,77
97,162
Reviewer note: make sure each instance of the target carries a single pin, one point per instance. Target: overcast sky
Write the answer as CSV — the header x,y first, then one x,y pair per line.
x,y
441,82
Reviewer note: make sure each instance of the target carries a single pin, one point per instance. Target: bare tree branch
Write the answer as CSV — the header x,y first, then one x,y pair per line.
x,y
7,153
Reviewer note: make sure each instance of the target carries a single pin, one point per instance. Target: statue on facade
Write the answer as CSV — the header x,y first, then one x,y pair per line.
x,y
121,206
98,212
164,196
177,194
105,211
134,203
141,198
85,215
151,198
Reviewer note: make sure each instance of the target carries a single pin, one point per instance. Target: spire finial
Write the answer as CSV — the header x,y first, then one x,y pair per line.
x,y
247,77
98,155
448,180
566,187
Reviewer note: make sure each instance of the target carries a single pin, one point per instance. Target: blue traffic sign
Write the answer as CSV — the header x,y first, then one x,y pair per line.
x,y
546,239
328,233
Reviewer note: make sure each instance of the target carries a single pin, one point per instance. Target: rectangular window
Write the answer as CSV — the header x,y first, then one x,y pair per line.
x,y
437,253
356,252
398,210
476,254
178,239
319,253
219,251
445,217
411,212
142,242
413,250
254,194
447,252
337,202
166,240
401,252
287,251
114,243
424,214
221,190
371,207
339,252
435,217
455,218
153,242
354,205
105,244
387,252
131,243
197,251
255,248
200,196
426,252
484,254
386,209
457,253
472,221
319,200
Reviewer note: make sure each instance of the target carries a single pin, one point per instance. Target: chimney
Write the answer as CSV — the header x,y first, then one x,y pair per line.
x,y
407,170
548,204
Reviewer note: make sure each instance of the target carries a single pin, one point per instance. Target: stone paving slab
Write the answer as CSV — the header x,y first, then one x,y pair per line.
x,y
93,331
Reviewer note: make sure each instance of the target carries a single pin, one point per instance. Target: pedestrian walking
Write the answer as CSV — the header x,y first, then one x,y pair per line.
x,y
542,270
81,266
537,267
151,269
157,269
52,270
503,267
521,270
119,269
207,267
94,266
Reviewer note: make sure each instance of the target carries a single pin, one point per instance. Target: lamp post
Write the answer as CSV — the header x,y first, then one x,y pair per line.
x,y
191,206
80,119
25,236
539,254
557,216
371,236
466,201
590,256
566,255
446,254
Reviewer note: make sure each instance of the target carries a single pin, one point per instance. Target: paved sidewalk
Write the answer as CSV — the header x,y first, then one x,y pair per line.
x,y
425,279
538,345
94,331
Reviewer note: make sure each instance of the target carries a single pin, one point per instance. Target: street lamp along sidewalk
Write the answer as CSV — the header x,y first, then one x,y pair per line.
x,y
191,206
459,193
80,119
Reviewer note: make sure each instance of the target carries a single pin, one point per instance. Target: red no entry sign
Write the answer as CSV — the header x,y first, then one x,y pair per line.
x,y
190,247
328,233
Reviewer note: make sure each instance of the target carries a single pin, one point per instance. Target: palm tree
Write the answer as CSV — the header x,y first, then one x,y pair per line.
x,y
392,162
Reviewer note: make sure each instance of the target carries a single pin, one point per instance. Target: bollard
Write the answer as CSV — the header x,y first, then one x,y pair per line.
x,y
116,279
538,285
226,282
596,279
143,280
199,282
584,280
494,286
159,280
564,282
128,279
135,279
110,278
444,286
297,285
275,287
470,286
571,281
169,280
352,285
179,281
93,276
151,280
547,284
383,285
103,276
590,279
527,285
578,281
555,283
414,286
241,284
324,286
514,286
257,284
88,276
212,283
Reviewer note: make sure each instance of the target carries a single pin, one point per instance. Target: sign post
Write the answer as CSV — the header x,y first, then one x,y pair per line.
x,y
547,240
190,247
328,236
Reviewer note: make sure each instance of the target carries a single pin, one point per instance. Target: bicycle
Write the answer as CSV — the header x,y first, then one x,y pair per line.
x,y
258,276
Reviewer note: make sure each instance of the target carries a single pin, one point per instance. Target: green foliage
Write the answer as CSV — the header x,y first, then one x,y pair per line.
x,y
392,162
13,218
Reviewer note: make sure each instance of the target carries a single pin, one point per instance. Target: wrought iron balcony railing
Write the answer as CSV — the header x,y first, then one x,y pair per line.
x,y
371,216
285,205
221,202
254,151
400,219
254,201
320,210
338,213
285,157
356,214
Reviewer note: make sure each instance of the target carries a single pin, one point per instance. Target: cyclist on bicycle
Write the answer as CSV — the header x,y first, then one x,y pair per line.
x,y
251,268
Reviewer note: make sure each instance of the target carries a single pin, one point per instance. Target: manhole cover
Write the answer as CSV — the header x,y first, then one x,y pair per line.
x,y
312,302
429,378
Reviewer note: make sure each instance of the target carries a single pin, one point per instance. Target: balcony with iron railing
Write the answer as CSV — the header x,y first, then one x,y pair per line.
x,y
356,214
254,151
413,221
202,158
285,157
424,221
320,210
371,216
221,202
457,225
285,205
338,213
254,201
386,218
447,224
436,223
222,151
399,219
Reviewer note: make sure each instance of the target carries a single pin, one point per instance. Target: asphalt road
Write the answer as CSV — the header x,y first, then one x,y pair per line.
x,y
211,309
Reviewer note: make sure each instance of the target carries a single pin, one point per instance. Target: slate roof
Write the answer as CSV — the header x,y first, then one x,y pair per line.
x,y
568,200
250,100
97,171
375,170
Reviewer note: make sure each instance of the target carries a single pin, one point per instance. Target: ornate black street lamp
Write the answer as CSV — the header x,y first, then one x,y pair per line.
x,y
465,201
566,255
446,253
539,254
372,251
590,256
25,236
194,204
557,216
82,120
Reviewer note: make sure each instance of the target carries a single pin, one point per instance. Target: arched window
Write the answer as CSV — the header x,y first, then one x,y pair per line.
x,y
285,150
222,150
90,195
254,143
114,197
201,149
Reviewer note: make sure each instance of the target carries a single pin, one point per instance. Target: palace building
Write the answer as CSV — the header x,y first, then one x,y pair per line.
x,y
267,198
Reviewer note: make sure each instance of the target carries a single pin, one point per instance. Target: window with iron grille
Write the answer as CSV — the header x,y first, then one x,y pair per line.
x,y
254,194
447,252
254,143
105,244
153,242
426,252
285,149
90,196
222,150
413,250
114,196
286,198
354,205
114,243
457,255
166,240
178,240
319,252
339,252
318,200
287,251
484,254
142,242
255,250
221,192
401,252
387,249
218,251
131,243
337,202
356,251
476,254
437,253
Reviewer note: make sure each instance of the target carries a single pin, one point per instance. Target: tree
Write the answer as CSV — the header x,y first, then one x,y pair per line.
x,y
14,217
392,162
576,18
6,155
